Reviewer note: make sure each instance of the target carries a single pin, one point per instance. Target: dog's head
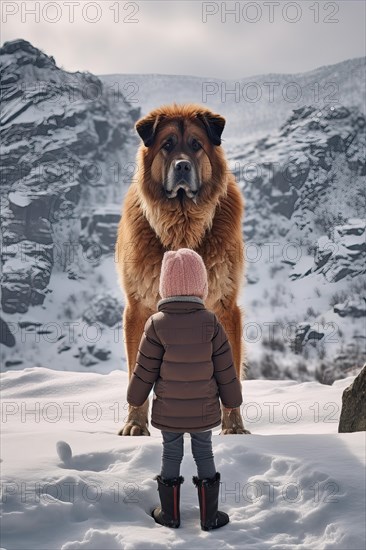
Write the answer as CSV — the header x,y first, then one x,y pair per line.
x,y
181,144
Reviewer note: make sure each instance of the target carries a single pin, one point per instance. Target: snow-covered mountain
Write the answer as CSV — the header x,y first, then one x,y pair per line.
x,y
251,105
68,151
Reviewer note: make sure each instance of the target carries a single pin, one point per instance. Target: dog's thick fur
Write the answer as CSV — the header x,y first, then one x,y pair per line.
x,y
209,221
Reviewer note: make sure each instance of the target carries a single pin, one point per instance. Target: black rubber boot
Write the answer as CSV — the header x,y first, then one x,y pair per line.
x,y
208,496
168,513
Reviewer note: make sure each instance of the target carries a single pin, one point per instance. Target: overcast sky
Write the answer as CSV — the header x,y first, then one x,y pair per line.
x,y
190,38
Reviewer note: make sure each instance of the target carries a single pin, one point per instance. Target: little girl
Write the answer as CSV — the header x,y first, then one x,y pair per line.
x,y
185,354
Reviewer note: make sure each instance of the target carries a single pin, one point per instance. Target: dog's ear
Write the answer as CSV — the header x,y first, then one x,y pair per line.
x,y
146,128
214,125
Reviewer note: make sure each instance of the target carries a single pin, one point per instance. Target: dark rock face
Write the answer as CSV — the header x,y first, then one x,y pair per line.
x,y
344,364
344,254
351,308
99,230
26,274
100,321
302,332
311,175
6,335
61,133
106,310
353,415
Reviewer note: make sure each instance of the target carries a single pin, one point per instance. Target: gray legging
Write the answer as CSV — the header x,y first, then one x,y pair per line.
x,y
173,451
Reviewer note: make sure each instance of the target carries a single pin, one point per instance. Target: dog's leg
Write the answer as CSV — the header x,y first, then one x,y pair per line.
x,y
230,317
134,319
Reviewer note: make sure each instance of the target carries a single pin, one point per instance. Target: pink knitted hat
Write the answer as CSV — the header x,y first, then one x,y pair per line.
x,y
183,272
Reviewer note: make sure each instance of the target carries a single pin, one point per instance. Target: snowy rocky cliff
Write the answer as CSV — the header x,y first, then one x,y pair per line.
x,y
305,232
65,146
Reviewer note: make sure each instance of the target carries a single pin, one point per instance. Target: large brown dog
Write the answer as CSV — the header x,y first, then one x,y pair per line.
x,y
182,195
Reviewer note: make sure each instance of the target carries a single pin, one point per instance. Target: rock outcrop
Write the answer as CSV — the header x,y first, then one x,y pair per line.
x,y
353,415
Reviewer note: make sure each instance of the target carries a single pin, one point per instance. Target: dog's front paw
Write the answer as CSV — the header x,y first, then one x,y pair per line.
x,y
234,430
132,427
232,422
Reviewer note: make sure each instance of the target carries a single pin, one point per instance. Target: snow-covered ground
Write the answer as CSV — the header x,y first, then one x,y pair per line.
x,y
294,483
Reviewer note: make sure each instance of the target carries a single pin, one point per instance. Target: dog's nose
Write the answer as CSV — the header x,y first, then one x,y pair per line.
x,y
182,166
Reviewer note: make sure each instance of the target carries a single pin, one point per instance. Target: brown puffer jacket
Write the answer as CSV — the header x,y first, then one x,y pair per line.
x,y
185,352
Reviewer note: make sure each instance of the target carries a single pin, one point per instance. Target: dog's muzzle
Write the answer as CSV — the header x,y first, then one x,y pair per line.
x,y
182,176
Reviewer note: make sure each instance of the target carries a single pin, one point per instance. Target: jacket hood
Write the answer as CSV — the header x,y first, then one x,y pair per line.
x,y
182,303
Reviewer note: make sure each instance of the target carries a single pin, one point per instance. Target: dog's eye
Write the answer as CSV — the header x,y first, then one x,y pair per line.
x,y
196,145
168,146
